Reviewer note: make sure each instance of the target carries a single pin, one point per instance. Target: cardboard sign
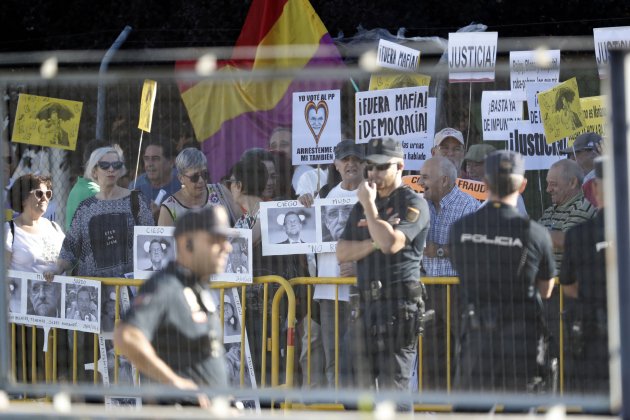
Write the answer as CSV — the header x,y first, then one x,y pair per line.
x,y
561,111
332,214
43,121
497,108
472,56
149,92
393,81
533,108
594,111
316,126
403,114
532,144
240,264
397,57
605,39
526,67
153,248
475,189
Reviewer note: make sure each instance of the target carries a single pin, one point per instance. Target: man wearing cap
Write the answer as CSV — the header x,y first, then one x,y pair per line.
x,y
450,144
385,235
585,149
583,275
172,332
569,207
506,265
349,162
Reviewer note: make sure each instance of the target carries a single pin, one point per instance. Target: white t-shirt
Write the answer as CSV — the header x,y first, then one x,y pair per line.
x,y
34,252
308,181
327,264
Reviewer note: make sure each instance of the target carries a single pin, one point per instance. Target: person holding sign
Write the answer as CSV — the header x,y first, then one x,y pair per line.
x,y
450,144
385,235
172,332
506,266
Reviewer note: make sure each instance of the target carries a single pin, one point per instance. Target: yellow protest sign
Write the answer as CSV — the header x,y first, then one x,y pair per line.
x,y
561,111
43,121
594,115
149,90
476,189
392,81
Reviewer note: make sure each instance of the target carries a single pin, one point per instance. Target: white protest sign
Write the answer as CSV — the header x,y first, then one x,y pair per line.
x,y
402,114
472,56
287,227
605,39
530,141
153,248
316,126
394,56
532,67
497,108
333,214
533,109
240,263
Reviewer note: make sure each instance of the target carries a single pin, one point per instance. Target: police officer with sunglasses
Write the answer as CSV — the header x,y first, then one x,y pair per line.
x,y
385,234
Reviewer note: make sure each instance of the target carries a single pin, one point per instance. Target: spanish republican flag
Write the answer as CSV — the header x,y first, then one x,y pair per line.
x,y
232,116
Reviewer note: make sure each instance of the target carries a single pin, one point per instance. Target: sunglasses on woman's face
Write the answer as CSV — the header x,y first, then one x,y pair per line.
x,y
39,194
104,165
195,177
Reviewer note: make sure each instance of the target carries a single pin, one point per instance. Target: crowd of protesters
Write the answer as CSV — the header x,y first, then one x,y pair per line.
x,y
97,239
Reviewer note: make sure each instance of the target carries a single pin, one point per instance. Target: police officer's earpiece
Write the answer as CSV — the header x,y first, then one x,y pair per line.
x,y
189,245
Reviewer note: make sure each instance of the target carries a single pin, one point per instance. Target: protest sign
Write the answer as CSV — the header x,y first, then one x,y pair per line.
x,y
533,108
316,126
69,303
561,111
43,121
594,112
476,189
397,57
472,56
540,66
531,142
403,114
332,214
393,81
605,39
287,227
149,91
240,263
497,108
153,248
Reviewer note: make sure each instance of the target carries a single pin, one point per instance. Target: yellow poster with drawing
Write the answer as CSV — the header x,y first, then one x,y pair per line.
x,y
149,90
43,121
393,81
560,110
594,115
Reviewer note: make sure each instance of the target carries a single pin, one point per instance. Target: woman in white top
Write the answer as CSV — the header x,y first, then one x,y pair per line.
x,y
196,193
32,241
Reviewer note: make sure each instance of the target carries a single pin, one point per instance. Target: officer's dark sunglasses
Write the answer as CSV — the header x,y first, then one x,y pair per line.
x,y
106,165
381,167
195,177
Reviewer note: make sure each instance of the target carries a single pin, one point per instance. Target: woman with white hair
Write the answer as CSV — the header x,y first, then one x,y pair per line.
x,y
100,240
196,193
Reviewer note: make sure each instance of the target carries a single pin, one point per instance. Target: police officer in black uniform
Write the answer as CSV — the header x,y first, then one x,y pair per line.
x,y
385,234
172,332
583,277
506,265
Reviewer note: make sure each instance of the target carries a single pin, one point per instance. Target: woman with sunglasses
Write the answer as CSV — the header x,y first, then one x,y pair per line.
x,y
196,193
100,240
32,242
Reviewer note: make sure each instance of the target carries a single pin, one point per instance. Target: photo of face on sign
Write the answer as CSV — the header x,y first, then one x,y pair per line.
x,y
334,218
153,249
15,295
291,226
44,299
81,303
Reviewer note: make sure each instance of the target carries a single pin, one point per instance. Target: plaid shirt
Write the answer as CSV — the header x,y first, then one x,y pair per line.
x,y
453,206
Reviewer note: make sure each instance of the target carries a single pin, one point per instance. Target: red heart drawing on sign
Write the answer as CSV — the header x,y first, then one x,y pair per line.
x,y
316,117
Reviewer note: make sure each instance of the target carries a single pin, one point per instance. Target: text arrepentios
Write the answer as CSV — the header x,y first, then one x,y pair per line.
x,y
397,58
499,123
476,56
529,66
388,125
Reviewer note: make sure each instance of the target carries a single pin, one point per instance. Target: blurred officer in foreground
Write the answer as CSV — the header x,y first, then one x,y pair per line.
x,y
385,234
506,265
172,332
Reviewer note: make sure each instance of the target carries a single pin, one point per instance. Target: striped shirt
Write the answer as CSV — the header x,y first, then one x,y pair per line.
x,y
564,216
453,206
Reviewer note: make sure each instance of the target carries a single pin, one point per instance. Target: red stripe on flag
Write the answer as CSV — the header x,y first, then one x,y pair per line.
x,y
262,15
